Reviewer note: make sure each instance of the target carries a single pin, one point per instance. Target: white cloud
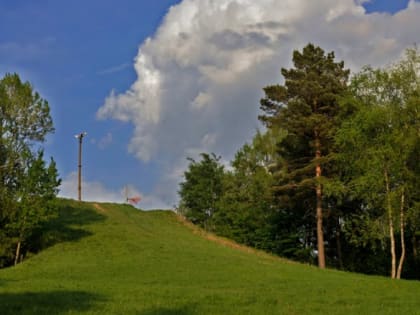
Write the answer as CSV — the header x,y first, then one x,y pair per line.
x,y
96,191
200,76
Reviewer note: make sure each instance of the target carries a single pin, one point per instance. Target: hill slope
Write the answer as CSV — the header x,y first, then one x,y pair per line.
x,y
113,259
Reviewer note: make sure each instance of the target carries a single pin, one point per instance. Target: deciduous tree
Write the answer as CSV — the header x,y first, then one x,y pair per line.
x,y
201,190
27,184
379,145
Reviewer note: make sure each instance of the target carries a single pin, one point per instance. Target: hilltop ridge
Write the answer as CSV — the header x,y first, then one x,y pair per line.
x,y
113,259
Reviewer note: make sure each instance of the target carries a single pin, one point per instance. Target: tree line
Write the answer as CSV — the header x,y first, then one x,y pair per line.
x,y
334,178
28,184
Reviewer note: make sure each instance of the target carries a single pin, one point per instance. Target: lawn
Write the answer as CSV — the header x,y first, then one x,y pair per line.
x,y
114,259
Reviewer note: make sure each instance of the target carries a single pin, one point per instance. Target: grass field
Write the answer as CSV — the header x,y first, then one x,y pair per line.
x,y
113,259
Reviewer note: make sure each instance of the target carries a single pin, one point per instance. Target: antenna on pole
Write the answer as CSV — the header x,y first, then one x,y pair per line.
x,y
80,136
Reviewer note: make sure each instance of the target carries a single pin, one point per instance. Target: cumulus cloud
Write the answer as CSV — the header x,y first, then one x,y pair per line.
x,y
96,191
200,76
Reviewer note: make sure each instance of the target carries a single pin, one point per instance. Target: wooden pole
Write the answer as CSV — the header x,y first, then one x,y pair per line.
x,y
79,185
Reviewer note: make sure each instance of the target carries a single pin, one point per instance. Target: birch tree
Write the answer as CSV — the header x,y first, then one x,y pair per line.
x,y
378,147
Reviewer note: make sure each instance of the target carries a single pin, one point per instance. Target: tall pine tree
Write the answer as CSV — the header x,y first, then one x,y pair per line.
x,y
307,107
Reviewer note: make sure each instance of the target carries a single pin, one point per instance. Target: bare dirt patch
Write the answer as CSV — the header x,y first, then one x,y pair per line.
x,y
99,208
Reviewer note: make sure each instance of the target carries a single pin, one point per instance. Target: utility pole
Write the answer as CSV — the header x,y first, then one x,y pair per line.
x,y
80,136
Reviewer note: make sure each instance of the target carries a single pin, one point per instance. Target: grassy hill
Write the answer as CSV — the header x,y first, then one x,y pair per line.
x,y
113,259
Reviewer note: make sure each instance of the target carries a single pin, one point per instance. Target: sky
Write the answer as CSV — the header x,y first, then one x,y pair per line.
x,y
155,82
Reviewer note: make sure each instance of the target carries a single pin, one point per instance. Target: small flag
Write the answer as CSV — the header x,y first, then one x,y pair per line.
x,y
134,200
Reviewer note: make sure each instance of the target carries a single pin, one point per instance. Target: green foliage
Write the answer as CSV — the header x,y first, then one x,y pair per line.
x,y
245,206
25,116
114,259
350,151
307,108
35,197
201,190
27,185
378,146
249,212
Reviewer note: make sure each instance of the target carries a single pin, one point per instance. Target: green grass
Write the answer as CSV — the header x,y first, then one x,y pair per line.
x,y
117,260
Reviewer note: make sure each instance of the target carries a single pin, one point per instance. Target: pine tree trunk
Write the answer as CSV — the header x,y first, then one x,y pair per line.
x,y
414,241
17,254
391,226
402,223
319,227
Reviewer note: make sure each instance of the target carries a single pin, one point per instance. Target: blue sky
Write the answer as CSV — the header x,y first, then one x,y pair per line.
x,y
173,98
389,6
75,53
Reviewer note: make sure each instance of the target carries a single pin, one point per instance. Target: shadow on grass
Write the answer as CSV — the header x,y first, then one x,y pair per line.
x,y
184,310
54,302
68,226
